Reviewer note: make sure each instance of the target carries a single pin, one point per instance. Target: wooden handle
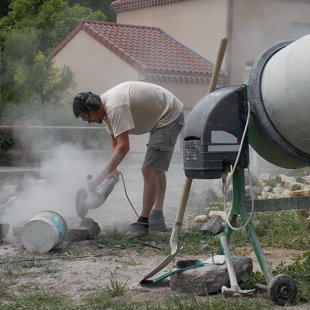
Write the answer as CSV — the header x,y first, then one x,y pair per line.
x,y
213,82
218,64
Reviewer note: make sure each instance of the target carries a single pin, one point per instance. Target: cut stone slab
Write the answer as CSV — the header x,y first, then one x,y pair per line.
x,y
213,226
87,229
209,278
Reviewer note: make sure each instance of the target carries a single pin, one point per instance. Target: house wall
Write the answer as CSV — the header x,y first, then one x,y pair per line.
x,y
257,24
94,67
198,24
189,94
250,25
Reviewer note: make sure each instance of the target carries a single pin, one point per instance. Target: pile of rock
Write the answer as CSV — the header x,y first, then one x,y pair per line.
x,y
265,186
286,187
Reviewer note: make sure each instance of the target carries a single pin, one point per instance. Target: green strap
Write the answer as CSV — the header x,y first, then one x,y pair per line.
x,y
174,270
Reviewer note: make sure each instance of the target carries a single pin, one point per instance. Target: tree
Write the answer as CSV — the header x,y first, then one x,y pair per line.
x,y
100,5
31,80
4,7
29,31
53,19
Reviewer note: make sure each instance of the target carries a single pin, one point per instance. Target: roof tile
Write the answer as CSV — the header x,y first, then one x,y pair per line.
x,y
148,49
127,5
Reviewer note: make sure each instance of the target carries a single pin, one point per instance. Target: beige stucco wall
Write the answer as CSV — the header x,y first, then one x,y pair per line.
x,y
199,24
94,67
257,24
189,94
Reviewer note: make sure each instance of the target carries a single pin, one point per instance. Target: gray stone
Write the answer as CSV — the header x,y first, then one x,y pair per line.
x,y
209,278
256,191
214,225
87,229
254,179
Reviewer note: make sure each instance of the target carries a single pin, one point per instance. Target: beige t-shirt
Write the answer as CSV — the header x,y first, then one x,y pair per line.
x,y
139,107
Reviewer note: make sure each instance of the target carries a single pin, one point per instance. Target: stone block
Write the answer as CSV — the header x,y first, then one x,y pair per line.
x,y
213,226
209,278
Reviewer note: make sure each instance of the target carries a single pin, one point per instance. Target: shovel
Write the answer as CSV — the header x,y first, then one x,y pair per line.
x,y
174,238
234,289
189,264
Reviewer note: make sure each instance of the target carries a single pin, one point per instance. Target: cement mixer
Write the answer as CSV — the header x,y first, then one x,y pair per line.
x,y
279,96
271,113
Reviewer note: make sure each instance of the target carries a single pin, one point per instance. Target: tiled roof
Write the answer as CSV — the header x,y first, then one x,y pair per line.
x,y
127,5
149,50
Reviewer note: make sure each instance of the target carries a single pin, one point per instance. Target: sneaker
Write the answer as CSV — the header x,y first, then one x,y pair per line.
x,y
157,224
137,230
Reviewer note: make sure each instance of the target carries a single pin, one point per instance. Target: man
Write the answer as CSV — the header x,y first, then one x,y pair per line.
x,y
137,108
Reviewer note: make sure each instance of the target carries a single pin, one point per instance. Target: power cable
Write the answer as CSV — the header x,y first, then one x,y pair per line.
x,y
226,184
125,190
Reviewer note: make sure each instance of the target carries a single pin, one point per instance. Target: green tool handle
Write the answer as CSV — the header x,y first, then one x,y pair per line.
x,y
174,270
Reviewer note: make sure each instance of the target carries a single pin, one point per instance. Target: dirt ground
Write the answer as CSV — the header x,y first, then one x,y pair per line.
x,y
85,274
80,269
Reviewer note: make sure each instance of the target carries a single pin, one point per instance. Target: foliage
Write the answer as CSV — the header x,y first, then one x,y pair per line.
x,y
34,78
273,182
273,229
100,5
299,271
28,32
53,19
116,288
4,7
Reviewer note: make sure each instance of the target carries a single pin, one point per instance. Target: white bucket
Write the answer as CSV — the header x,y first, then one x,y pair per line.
x,y
43,232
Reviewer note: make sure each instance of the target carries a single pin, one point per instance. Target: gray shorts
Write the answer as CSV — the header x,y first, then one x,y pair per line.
x,y
161,145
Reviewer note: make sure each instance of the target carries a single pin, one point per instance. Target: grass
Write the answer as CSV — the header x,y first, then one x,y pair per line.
x,y
36,301
273,182
278,229
299,270
183,302
116,287
285,229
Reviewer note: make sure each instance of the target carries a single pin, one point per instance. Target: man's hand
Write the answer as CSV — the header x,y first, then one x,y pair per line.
x,y
120,146
93,182
91,185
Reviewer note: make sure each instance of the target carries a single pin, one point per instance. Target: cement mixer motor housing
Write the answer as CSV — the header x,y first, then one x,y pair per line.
x,y
278,125
213,132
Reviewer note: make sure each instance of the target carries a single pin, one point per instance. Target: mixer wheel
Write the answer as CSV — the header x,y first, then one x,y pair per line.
x,y
282,289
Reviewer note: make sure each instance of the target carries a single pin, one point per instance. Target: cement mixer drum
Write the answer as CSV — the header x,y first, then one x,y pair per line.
x,y
279,95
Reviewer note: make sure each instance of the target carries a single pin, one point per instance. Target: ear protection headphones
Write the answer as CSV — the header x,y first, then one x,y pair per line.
x,y
90,102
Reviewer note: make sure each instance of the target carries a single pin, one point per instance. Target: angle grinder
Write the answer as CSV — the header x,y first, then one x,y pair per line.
x,y
86,200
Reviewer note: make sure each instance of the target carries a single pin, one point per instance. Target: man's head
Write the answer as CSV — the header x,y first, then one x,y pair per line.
x,y
84,103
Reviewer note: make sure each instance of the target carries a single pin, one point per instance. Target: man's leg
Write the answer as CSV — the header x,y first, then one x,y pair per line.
x,y
156,162
153,199
154,191
160,198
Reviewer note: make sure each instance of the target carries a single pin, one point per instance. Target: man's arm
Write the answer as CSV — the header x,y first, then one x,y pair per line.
x,y
120,147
